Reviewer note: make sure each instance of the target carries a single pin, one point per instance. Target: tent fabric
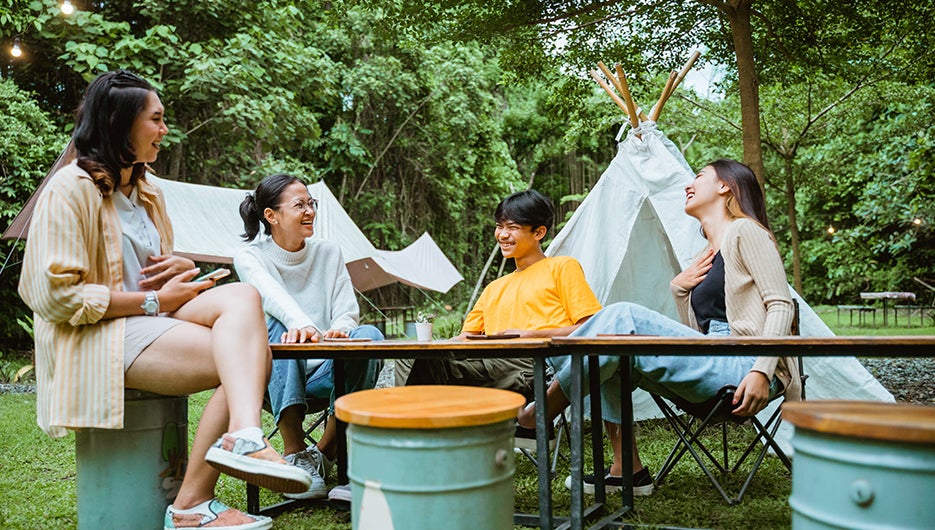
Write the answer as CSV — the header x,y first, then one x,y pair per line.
x,y
207,225
632,237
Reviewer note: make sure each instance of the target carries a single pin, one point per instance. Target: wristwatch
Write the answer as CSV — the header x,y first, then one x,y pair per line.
x,y
151,304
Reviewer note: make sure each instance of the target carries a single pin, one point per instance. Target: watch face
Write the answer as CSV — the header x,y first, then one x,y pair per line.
x,y
150,305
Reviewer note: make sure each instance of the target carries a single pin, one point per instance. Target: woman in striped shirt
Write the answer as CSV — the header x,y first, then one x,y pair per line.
x,y
114,309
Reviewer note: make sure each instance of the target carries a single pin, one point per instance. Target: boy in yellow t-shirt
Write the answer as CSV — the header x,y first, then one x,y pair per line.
x,y
543,297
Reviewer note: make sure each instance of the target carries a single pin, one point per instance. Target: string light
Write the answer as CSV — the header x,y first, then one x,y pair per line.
x,y
16,51
917,221
830,229
67,8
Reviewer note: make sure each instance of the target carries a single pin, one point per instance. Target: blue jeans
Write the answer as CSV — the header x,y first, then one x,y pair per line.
x,y
290,385
693,378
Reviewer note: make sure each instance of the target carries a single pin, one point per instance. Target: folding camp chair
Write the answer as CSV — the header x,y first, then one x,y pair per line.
x,y
716,412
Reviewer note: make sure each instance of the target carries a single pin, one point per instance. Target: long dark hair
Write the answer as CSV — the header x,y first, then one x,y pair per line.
x,y
267,195
108,109
746,198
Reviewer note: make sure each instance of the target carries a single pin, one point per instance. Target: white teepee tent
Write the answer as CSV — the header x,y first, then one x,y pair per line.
x,y
632,237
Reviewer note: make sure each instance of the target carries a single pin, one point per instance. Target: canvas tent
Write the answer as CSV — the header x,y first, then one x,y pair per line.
x,y
632,237
207,227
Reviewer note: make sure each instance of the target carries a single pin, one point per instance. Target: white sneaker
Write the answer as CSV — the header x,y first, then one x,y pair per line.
x,y
309,461
340,493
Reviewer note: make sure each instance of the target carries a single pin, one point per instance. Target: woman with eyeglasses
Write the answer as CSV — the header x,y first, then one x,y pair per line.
x,y
115,309
307,297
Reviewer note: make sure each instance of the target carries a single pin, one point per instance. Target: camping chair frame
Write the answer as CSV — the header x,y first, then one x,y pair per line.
x,y
717,412
690,429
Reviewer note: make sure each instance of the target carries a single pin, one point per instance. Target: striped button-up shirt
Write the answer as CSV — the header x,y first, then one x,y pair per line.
x,y
73,261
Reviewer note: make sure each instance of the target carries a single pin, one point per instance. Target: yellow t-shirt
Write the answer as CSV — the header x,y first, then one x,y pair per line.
x,y
551,293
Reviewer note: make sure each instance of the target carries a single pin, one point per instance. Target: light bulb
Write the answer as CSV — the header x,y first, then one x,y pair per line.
x,y
16,51
830,229
67,8
917,221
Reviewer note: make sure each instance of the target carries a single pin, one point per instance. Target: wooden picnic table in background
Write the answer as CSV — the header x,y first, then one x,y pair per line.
x,y
888,295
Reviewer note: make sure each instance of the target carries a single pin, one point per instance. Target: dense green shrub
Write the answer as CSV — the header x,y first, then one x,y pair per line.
x,y
29,143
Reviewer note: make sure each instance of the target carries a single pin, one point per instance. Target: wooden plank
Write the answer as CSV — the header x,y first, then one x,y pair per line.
x,y
428,406
864,346
893,422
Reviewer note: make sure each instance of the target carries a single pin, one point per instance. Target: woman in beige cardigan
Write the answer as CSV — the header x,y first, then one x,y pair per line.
x,y
736,286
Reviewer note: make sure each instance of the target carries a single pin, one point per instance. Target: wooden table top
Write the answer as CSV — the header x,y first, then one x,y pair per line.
x,y
895,422
623,345
864,346
428,406
412,348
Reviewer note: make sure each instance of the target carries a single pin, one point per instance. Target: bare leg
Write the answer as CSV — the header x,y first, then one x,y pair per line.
x,y
616,443
290,428
222,341
200,478
326,443
555,403
239,345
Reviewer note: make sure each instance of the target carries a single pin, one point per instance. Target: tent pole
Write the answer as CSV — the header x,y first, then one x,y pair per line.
x,y
480,279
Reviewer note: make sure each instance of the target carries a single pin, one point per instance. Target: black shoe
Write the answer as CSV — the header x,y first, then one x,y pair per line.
x,y
526,438
642,483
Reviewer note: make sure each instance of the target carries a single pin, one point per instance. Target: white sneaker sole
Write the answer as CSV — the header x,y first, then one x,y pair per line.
x,y
315,491
340,494
638,491
270,475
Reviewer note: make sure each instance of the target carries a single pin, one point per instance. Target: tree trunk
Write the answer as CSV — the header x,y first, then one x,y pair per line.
x,y
176,156
738,13
793,227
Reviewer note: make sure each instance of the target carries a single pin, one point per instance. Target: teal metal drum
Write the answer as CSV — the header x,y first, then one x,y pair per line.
x,y
127,477
862,465
431,457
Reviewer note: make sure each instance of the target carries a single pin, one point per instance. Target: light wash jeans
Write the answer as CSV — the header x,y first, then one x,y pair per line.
x,y
693,378
290,385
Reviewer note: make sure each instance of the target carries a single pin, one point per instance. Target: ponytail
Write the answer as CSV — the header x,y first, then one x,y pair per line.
x,y
251,219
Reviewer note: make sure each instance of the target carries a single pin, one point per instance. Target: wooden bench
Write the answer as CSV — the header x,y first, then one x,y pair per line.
x,y
861,310
910,309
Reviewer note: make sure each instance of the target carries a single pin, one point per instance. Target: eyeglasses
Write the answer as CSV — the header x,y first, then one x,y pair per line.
x,y
301,206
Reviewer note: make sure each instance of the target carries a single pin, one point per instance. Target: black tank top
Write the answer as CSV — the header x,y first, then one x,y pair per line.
x,y
708,296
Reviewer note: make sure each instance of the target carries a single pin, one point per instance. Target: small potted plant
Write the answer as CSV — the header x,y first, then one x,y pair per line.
x,y
424,326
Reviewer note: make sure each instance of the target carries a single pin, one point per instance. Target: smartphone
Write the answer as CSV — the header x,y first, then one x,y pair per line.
x,y
215,275
494,336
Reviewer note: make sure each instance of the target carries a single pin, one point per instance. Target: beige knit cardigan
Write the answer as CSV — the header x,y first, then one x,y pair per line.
x,y
756,295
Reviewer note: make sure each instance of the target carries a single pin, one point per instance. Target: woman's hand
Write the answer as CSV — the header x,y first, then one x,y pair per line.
x,y
163,268
752,394
180,289
692,276
300,335
336,334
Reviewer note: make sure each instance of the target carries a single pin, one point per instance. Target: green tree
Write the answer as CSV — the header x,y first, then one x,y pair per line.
x,y
29,141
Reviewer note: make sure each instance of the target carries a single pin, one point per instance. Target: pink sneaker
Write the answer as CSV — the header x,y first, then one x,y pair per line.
x,y
256,464
217,516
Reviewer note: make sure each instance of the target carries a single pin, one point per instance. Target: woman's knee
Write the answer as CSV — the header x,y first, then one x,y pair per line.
x,y
244,294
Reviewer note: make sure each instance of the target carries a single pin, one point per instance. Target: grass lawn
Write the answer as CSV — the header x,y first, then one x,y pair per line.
x,y
37,475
